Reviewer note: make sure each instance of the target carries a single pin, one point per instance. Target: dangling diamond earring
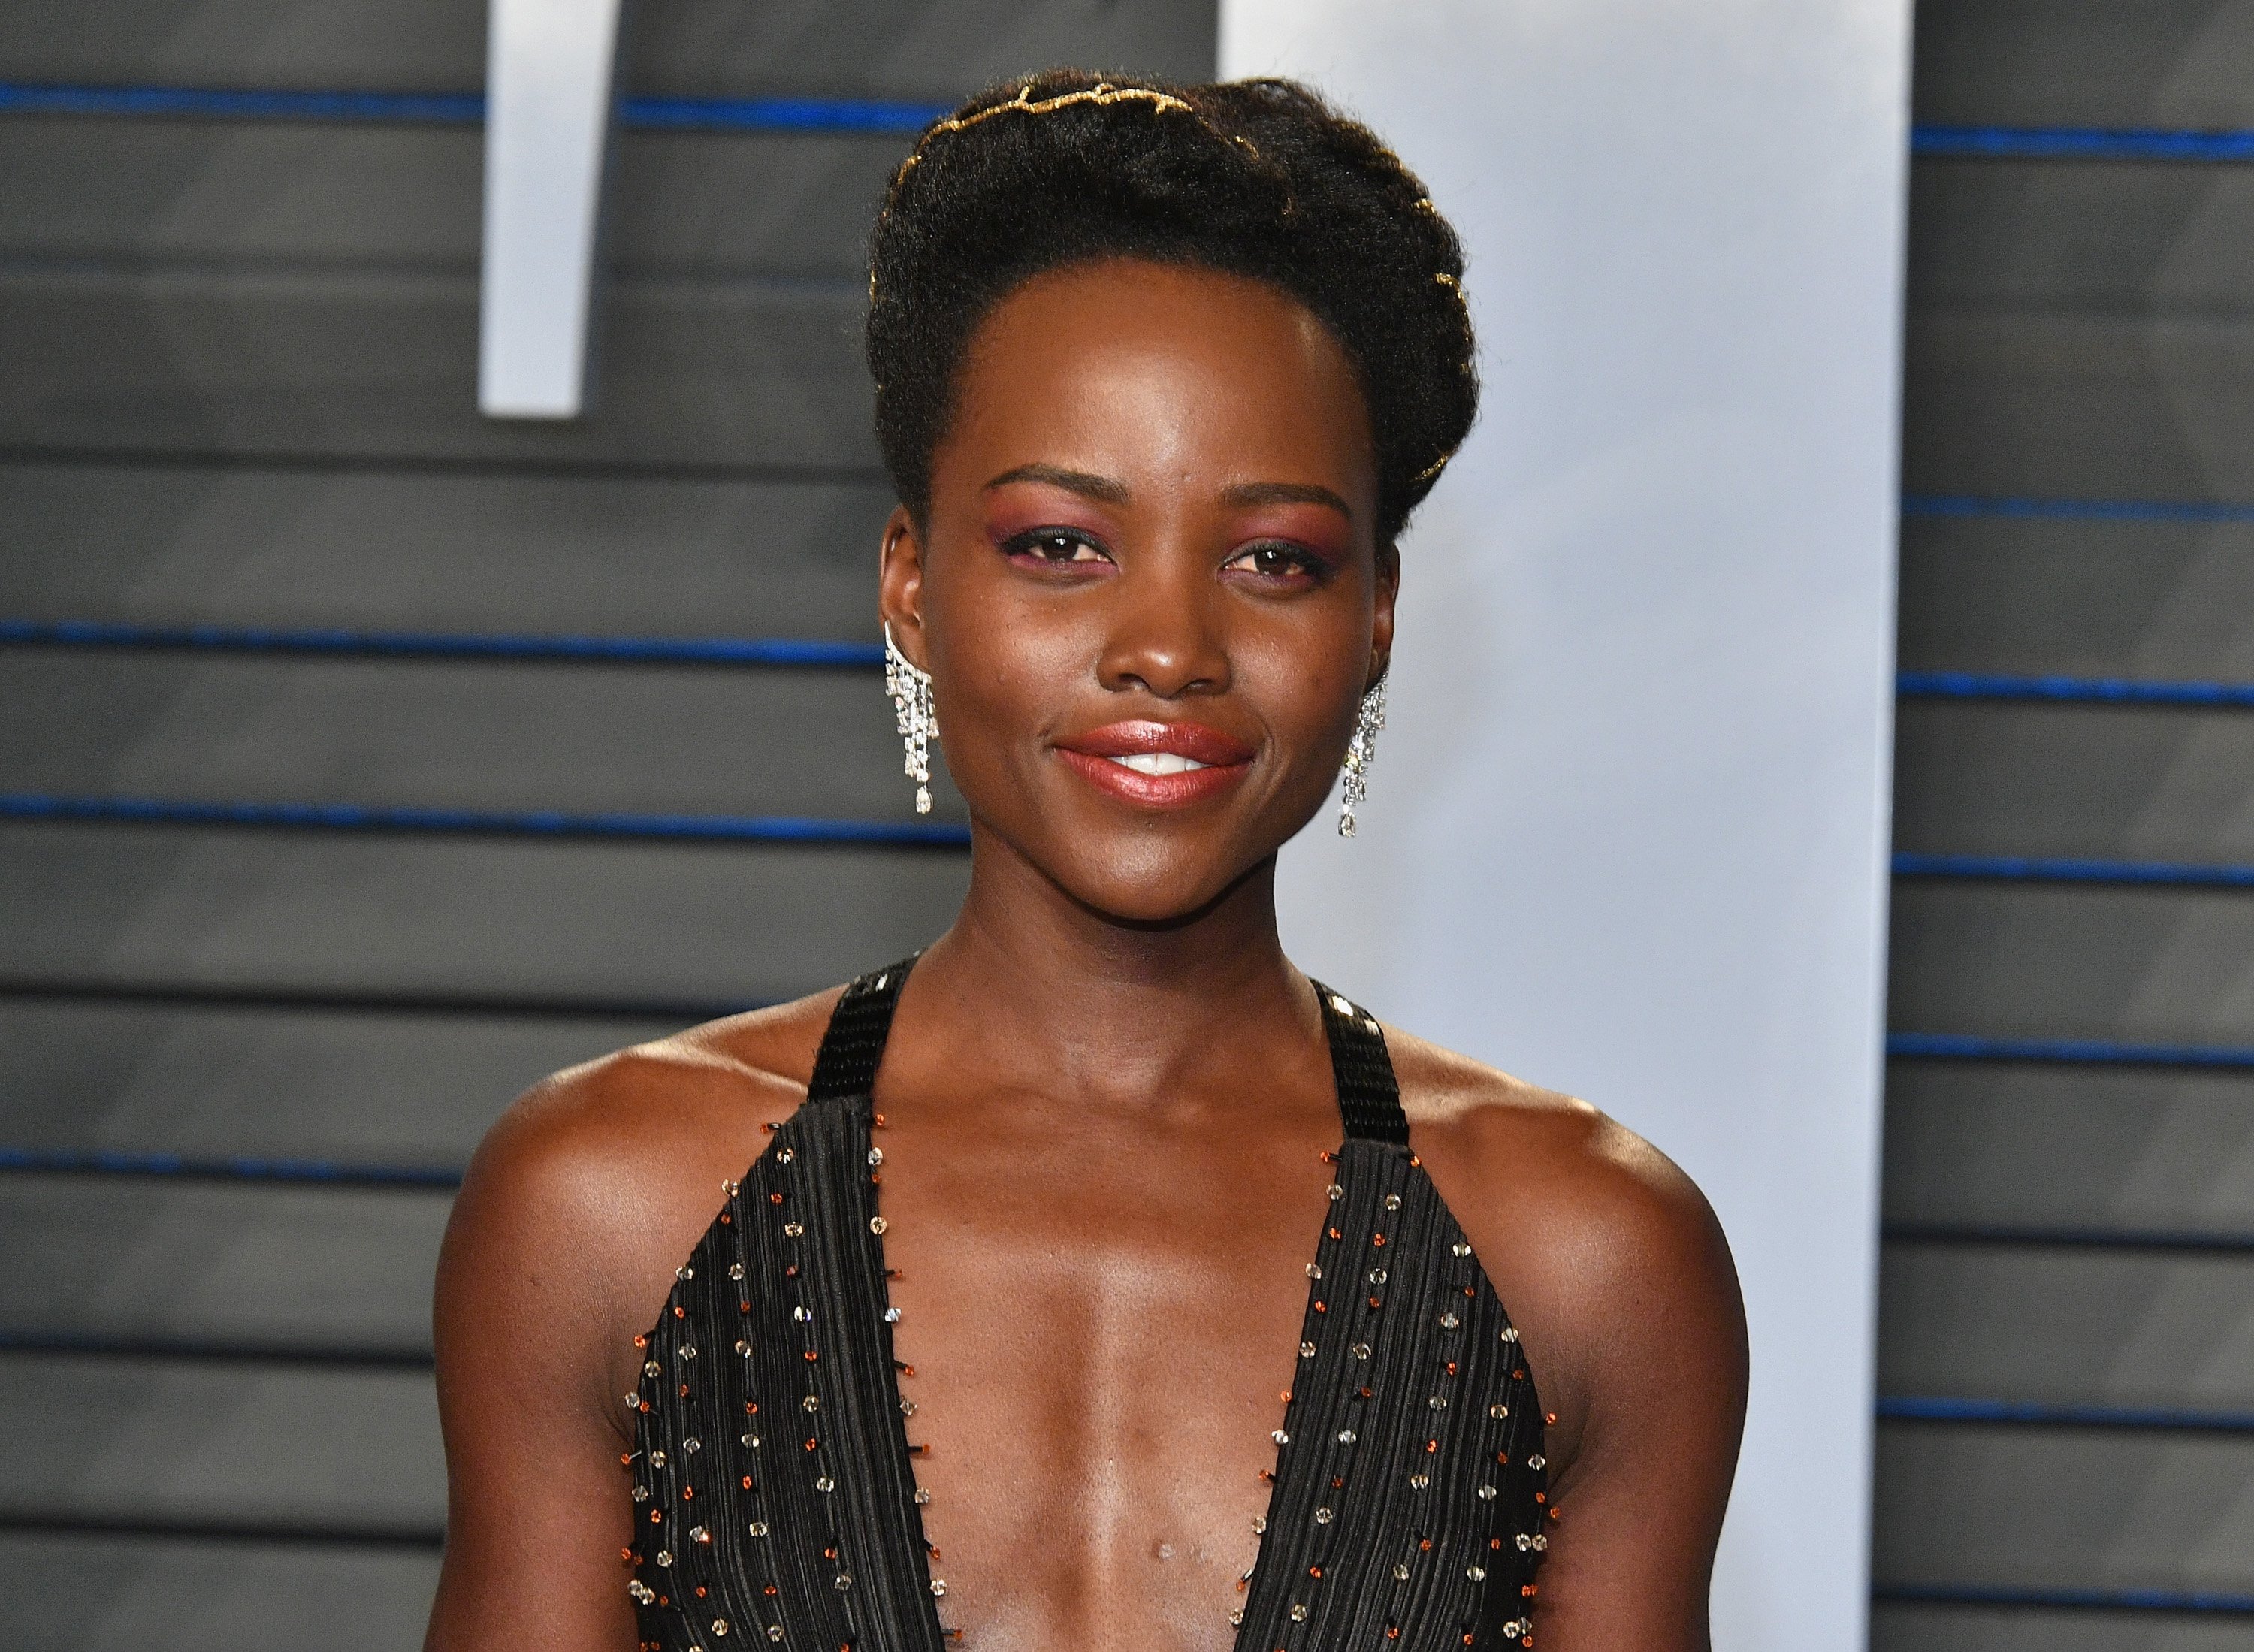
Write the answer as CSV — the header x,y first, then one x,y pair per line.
x,y
1361,751
910,686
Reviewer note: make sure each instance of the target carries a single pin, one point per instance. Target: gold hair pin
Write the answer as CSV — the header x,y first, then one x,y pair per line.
x,y
1103,92
1435,467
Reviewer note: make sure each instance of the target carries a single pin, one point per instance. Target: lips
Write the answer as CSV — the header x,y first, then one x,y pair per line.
x,y
1158,765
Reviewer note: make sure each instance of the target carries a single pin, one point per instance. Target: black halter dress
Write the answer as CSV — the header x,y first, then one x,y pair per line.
x,y
775,1492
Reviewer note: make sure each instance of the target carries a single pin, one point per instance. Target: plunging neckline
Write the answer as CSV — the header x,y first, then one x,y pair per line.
x,y
866,1122
1407,1468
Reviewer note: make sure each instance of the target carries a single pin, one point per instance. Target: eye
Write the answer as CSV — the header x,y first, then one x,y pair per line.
x,y
1054,547
1277,561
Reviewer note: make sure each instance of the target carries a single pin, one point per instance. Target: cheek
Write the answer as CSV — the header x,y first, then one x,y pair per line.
x,y
1004,670
1306,697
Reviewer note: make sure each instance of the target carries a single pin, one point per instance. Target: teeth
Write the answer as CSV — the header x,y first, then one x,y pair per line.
x,y
1159,763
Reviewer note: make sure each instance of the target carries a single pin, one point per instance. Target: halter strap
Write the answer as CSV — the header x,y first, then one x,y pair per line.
x,y
854,1045
1368,1095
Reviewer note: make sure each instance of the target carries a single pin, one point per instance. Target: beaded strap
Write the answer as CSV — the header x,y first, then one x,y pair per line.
x,y
854,1045
1368,1095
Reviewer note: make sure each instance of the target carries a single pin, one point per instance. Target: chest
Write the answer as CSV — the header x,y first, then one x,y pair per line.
x,y
1100,1351
1095,1447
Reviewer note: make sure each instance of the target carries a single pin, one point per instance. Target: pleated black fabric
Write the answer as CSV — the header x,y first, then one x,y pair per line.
x,y
775,1488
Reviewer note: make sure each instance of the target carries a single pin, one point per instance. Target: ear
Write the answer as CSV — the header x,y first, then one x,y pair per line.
x,y
899,584
1381,622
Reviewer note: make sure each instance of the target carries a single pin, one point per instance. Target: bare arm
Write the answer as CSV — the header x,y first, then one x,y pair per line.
x,y
536,1507
1619,1281
1655,1365
577,1209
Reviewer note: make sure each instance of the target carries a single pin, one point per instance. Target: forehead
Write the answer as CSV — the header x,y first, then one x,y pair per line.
x,y
1127,367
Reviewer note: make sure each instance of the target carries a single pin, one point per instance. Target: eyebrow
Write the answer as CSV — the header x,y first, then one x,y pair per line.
x,y
1117,493
1285,493
1081,482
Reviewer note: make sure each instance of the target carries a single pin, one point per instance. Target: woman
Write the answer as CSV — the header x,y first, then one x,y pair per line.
x,y
1101,1281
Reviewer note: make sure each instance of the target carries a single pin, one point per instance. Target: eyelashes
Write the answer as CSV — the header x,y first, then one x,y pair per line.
x,y
1270,562
1057,547
1280,560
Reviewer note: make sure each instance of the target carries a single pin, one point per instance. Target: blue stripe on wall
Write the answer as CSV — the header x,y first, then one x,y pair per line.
x,y
1968,1046
237,1167
1919,1408
769,651
2081,142
354,817
2104,510
2065,870
1988,685
463,109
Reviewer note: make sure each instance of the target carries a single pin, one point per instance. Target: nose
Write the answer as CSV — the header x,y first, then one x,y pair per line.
x,y
1167,635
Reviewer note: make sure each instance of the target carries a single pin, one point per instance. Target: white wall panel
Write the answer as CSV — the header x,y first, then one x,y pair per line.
x,y
1627,830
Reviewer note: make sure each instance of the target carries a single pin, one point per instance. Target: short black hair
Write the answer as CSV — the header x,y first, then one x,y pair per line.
x,y
1260,179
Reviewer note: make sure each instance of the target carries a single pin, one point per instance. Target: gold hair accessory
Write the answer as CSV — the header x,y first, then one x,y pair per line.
x,y
1102,93
1435,467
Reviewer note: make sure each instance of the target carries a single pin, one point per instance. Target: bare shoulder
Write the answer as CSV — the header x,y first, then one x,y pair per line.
x,y
1534,1152
630,1127
593,1186
1605,1254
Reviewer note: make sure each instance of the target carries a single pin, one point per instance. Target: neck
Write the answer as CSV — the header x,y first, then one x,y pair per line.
x,y
1067,995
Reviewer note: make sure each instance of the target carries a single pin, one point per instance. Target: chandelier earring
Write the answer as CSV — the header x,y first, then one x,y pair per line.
x,y
1361,751
910,686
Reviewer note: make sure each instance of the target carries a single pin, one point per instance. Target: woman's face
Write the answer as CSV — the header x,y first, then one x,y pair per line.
x,y
1149,591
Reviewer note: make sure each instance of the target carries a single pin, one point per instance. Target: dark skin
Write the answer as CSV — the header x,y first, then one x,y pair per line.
x,y
1107,1094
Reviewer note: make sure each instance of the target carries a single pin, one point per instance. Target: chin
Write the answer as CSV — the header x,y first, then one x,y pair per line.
x,y
1163,889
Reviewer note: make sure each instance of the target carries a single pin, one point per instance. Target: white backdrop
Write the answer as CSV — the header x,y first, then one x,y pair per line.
x,y
1626,833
